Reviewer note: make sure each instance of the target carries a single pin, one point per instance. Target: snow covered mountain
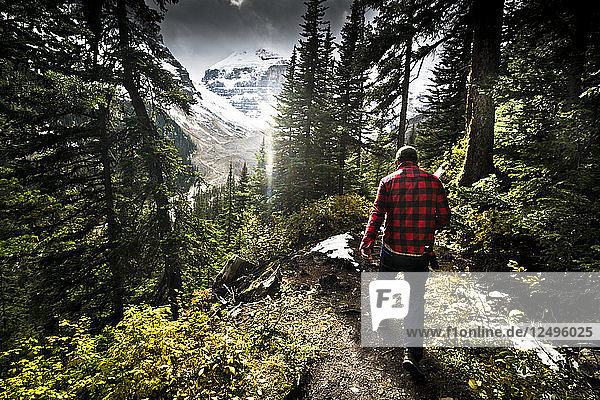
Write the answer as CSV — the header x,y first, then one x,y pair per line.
x,y
250,80
220,132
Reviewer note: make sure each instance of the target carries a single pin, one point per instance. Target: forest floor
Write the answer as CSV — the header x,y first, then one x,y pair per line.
x,y
320,301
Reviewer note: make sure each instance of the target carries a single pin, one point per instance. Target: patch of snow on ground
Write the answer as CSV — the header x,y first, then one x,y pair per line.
x,y
336,247
548,355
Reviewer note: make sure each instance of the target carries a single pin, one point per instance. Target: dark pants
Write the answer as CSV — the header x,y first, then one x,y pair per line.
x,y
414,269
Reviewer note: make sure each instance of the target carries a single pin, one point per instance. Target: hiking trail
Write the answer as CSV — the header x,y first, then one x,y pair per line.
x,y
320,295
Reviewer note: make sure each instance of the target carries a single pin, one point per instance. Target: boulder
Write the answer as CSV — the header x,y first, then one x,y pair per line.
x,y
268,284
234,269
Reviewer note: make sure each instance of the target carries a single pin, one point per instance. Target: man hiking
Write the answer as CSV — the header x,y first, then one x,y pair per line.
x,y
414,205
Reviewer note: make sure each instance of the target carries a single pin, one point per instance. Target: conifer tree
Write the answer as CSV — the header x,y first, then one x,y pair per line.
x,y
242,195
307,141
229,212
485,61
350,96
259,185
131,42
56,113
405,33
311,70
445,101
323,154
287,136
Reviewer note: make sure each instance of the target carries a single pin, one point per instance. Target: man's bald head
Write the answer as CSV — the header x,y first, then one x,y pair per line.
x,y
407,153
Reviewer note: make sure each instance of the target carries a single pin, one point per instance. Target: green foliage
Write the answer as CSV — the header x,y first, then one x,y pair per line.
x,y
90,184
515,374
201,250
305,139
268,239
509,373
479,216
204,355
541,206
325,217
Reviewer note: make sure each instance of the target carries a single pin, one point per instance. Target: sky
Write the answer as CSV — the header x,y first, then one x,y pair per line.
x,y
202,32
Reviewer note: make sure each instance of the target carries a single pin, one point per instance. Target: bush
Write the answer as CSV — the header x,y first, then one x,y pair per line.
x,y
267,240
325,217
543,204
509,373
203,355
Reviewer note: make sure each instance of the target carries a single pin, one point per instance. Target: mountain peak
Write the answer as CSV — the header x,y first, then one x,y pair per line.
x,y
265,54
250,80
246,58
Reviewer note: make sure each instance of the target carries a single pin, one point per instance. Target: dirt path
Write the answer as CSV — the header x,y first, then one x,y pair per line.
x,y
318,303
321,296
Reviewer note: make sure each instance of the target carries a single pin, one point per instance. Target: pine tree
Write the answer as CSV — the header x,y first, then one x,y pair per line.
x,y
72,139
350,97
259,185
445,100
55,146
229,211
311,70
306,138
485,60
242,195
93,15
135,32
398,27
287,134
323,158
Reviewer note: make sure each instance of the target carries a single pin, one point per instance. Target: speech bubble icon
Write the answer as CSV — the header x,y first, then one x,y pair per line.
x,y
389,300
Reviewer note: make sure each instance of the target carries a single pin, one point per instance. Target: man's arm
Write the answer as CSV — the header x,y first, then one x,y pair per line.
x,y
377,216
442,214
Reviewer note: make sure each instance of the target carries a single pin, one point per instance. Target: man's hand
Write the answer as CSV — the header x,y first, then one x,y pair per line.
x,y
366,253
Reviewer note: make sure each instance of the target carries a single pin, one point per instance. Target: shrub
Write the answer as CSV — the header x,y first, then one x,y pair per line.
x,y
204,355
324,217
267,240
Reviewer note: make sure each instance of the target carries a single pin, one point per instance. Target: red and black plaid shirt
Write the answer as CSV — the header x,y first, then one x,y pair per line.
x,y
415,204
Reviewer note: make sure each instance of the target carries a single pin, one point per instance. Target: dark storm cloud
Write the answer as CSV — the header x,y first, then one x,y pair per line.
x,y
202,32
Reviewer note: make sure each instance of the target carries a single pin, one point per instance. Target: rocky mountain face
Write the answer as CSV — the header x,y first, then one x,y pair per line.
x,y
249,80
171,64
220,132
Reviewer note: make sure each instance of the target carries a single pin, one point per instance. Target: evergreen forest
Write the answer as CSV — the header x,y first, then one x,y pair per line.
x,y
112,275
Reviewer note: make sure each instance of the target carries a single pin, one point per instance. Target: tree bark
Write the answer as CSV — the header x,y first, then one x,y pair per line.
x,y
93,13
172,273
485,59
341,161
576,64
405,85
113,231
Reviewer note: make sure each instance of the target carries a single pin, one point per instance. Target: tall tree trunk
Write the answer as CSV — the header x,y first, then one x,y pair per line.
x,y
93,13
113,230
405,85
576,63
342,159
172,273
485,58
